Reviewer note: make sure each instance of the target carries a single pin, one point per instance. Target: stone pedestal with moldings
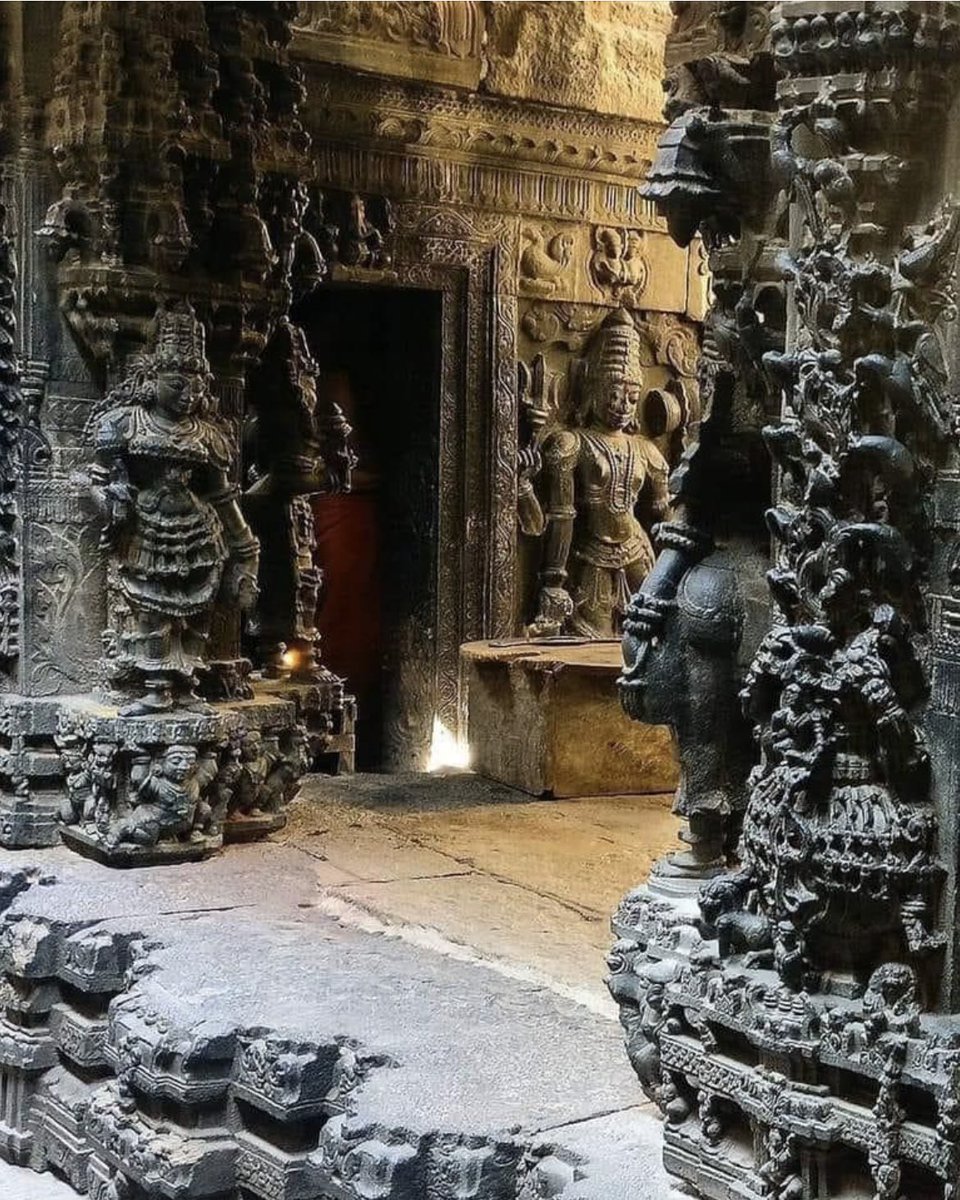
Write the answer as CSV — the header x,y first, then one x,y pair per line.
x,y
175,786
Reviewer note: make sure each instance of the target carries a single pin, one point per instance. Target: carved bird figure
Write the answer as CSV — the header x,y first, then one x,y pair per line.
x,y
543,262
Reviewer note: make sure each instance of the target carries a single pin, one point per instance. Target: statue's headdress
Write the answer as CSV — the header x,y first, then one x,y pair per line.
x,y
614,350
614,354
180,339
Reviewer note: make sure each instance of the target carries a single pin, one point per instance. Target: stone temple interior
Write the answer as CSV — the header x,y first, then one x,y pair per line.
x,y
480,600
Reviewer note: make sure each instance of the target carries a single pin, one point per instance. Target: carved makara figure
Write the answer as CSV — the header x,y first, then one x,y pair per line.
x,y
596,476
177,539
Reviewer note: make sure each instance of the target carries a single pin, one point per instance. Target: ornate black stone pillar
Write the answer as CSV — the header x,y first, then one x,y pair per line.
x,y
799,1031
168,257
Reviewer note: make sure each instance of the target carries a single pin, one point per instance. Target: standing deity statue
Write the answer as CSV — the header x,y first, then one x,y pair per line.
x,y
173,527
596,476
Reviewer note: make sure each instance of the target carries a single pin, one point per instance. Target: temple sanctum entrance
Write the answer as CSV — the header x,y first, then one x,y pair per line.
x,y
378,353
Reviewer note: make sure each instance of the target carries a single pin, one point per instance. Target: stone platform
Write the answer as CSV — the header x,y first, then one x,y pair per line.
x,y
544,716
207,1030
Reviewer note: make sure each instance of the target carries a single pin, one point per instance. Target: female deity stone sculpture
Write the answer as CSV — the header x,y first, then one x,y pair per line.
x,y
173,526
596,475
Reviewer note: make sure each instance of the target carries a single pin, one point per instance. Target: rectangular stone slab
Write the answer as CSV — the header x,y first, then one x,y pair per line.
x,y
545,717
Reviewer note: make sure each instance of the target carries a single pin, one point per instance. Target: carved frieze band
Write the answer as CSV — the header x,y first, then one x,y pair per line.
x,y
438,146
441,41
614,265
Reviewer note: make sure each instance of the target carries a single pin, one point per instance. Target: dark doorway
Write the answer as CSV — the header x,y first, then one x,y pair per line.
x,y
378,350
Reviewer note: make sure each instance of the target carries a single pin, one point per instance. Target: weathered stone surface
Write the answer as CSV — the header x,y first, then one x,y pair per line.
x,y
385,1063
546,718
599,57
20,1183
428,40
602,57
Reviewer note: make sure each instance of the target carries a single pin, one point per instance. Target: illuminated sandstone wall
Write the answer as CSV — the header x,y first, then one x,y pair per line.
x,y
598,56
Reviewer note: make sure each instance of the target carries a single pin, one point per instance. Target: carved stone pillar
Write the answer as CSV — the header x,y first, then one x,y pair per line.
x,y
807,1014
179,148
693,626
299,450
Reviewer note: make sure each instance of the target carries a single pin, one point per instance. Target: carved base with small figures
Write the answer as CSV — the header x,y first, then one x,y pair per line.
x,y
174,787
717,1050
327,713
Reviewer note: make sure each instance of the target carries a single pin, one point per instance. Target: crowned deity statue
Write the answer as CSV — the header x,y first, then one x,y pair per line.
x,y
596,478
177,539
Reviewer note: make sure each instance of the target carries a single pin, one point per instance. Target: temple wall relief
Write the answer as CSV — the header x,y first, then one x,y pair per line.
x,y
596,57
530,212
223,169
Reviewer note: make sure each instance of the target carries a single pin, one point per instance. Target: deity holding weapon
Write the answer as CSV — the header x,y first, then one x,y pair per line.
x,y
596,476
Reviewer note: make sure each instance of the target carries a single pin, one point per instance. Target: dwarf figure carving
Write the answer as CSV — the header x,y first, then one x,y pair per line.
x,y
596,475
167,796
254,766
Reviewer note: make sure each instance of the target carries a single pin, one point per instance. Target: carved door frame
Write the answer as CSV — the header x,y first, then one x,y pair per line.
x,y
470,262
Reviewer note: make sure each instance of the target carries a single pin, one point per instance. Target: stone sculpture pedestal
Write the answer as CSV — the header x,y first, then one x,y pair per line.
x,y
243,759
544,717
329,717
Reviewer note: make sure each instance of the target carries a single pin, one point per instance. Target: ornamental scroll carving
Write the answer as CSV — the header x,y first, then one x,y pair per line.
x,y
11,421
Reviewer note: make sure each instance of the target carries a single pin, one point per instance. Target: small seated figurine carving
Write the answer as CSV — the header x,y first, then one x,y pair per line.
x,y
594,477
168,792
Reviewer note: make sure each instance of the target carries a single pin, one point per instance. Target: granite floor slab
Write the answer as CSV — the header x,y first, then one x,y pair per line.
x,y
459,1045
